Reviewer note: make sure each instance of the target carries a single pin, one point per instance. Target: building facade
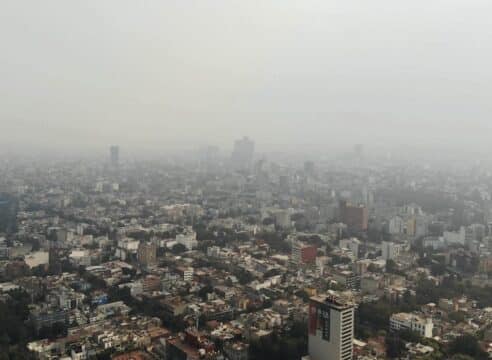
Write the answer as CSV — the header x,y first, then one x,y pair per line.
x,y
331,329
412,322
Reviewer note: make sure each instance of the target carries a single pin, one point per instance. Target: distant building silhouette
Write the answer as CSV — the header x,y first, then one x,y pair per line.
x,y
114,156
242,154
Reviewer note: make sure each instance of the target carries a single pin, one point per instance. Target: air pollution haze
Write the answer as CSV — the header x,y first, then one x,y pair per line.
x,y
182,74
245,180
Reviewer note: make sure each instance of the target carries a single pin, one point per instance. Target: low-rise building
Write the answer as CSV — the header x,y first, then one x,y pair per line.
x,y
407,321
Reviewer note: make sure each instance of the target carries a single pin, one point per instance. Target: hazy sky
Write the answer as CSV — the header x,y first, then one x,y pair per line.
x,y
177,74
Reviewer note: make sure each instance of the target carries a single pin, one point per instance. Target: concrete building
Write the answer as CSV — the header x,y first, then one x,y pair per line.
x,y
347,278
356,217
187,240
303,253
147,254
282,219
151,283
331,329
390,250
406,321
455,238
396,225
352,244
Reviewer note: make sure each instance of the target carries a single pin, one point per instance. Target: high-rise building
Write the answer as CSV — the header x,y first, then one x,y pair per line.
x,y
390,250
147,254
55,252
331,328
303,253
114,155
242,155
356,217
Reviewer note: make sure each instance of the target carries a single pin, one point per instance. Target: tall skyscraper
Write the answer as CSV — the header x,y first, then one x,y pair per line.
x,y
55,254
242,155
331,328
114,155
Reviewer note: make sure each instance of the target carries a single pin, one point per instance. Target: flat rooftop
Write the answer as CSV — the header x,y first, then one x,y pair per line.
x,y
332,301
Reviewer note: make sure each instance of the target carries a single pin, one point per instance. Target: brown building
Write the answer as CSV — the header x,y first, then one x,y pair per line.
x,y
147,254
151,283
356,217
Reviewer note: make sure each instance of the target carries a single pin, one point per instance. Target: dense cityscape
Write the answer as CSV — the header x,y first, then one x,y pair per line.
x,y
245,180
240,256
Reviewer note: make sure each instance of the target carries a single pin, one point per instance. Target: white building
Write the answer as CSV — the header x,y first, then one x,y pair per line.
x,y
406,321
282,219
188,274
351,244
213,251
390,250
331,329
80,257
455,238
396,225
421,226
188,240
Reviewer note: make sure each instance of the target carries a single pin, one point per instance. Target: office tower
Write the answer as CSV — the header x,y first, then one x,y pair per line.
x,y
331,328
8,213
55,252
147,254
114,155
242,155
356,217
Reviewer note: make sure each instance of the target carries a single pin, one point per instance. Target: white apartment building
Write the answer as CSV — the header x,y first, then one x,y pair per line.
x,y
407,321
390,250
188,240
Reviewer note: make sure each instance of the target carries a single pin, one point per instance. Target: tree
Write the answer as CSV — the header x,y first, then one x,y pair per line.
x,y
392,267
467,345
410,336
178,249
438,269
394,345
